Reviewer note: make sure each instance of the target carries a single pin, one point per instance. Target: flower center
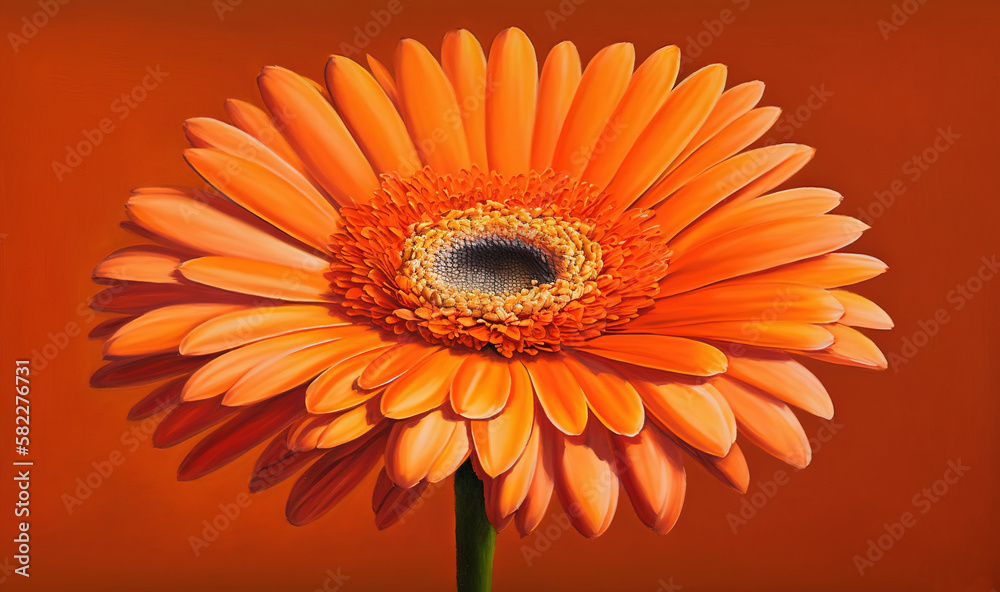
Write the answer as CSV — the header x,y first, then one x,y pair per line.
x,y
493,264
499,263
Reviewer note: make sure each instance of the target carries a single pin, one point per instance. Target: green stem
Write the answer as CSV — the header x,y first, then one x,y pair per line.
x,y
474,536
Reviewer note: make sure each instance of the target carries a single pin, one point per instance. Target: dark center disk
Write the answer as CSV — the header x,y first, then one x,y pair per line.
x,y
495,265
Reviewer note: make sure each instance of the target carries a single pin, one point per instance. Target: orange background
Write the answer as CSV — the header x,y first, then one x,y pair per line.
x,y
896,430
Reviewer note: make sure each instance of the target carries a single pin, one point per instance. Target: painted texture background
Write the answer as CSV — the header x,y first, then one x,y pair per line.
x,y
900,100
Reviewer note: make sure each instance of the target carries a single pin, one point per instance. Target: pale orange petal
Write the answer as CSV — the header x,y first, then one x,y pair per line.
x,y
163,329
766,421
237,328
512,75
376,125
336,388
557,85
423,387
777,334
601,88
501,440
318,135
689,411
664,138
586,480
145,263
653,476
393,363
612,399
414,446
558,393
258,278
430,109
199,226
851,348
861,312
646,92
481,386
464,64
660,352
351,425
307,217
785,379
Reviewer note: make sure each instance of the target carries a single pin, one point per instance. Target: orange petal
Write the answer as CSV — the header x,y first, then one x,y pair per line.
x,y
660,352
653,476
741,133
205,229
318,135
501,440
351,425
775,243
464,64
509,489
758,302
826,271
766,421
306,217
512,76
861,312
454,453
219,374
558,392
689,411
415,444
777,334
281,373
258,124
612,399
664,138
646,92
336,388
776,176
602,86
556,87
384,78
481,386
241,327
731,469
423,387
204,132
792,203
695,198
140,264
586,481
163,329
430,109
785,379
394,363
732,105
536,502
258,278
371,116
851,348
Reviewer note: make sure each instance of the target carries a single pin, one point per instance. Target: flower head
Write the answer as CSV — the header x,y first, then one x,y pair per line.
x,y
579,279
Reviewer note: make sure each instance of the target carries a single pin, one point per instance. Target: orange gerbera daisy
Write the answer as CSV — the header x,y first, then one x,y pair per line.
x,y
569,278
